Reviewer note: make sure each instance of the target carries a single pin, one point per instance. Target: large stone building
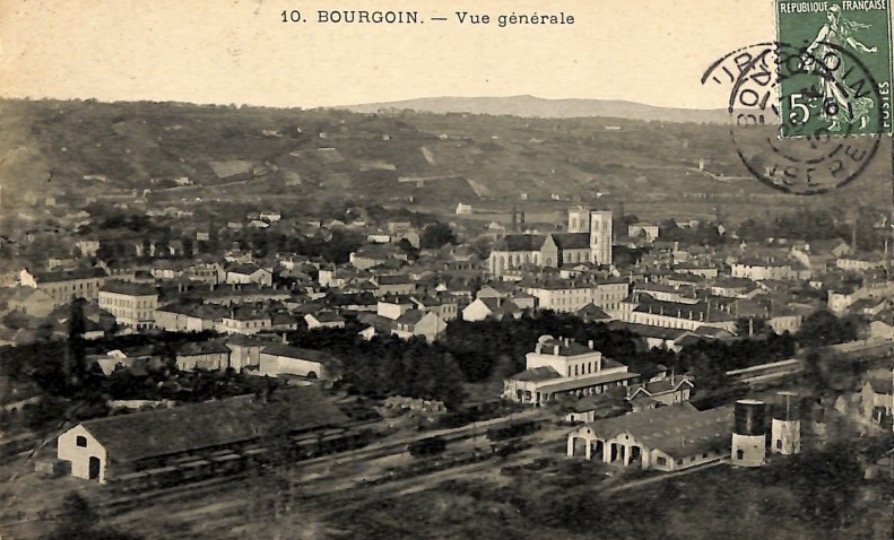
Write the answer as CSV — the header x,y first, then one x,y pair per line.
x,y
570,296
66,286
588,240
132,304
562,367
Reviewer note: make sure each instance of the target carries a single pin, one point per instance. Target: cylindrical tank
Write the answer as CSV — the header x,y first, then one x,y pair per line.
x,y
785,430
749,415
749,441
787,406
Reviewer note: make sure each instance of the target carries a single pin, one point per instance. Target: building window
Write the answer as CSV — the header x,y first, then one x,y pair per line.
x,y
740,454
662,462
81,441
779,444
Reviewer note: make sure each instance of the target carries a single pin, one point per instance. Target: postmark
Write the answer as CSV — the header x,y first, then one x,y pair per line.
x,y
776,144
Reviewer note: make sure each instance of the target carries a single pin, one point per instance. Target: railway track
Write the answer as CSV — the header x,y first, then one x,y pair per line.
x,y
773,372
237,516
235,482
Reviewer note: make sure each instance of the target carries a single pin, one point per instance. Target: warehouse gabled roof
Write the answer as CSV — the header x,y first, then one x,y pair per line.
x,y
143,435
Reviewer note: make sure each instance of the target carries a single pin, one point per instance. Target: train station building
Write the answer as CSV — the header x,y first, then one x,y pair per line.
x,y
563,367
669,438
102,448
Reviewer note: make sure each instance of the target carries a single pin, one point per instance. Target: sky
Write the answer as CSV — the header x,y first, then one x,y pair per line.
x,y
240,51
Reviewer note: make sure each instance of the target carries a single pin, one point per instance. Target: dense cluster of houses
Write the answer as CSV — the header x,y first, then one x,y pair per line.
x,y
672,293
668,296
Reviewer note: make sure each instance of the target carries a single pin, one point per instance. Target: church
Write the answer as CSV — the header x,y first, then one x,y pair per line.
x,y
587,240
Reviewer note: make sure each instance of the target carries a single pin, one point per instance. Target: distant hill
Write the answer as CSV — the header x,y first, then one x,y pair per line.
x,y
79,151
534,107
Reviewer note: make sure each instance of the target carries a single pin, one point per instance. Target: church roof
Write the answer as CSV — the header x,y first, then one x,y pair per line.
x,y
572,240
520,242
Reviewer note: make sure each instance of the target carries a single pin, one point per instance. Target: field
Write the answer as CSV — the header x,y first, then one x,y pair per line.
x,y
292,157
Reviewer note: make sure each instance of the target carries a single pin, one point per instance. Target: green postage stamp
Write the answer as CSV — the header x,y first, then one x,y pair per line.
x,y
836,80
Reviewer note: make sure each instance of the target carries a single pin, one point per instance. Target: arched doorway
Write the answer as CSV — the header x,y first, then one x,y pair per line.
x,y
580,446
598,449
93,467
636,454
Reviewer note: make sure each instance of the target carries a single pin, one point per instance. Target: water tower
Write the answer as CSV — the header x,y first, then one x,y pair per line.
x,y
785,428
749,446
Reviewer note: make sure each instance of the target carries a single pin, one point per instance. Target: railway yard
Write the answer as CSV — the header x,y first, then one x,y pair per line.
x,y
246,493
238,490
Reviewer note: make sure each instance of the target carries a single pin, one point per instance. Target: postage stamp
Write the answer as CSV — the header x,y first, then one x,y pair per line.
x,y
840,81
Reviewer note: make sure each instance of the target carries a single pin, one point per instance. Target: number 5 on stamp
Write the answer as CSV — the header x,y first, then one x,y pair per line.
x,y
839,83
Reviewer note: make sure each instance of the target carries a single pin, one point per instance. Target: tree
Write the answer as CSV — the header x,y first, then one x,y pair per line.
x,y
408,248
823,328
76,358
826,484
436,235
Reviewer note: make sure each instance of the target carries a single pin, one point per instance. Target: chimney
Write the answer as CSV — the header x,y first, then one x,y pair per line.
x,y
555,350
590,344
284,340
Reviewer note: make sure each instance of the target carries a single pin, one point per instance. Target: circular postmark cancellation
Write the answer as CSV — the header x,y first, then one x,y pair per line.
x,y
804,120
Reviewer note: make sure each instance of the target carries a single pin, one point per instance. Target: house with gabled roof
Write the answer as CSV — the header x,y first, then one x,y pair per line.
x,y
183,317
244,320
372,255
324,319
393,284
500,309
249,273
32,302
283,359
666,391
418,323
445,306
207,355
593,313
877,397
